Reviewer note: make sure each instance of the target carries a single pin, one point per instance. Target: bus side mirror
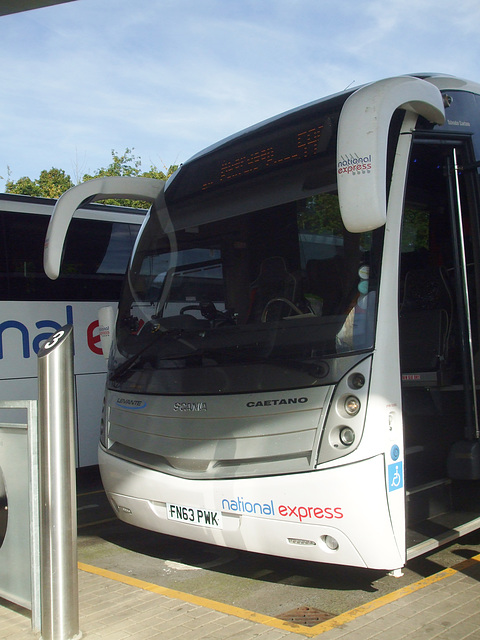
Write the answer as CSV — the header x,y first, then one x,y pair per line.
x,y
136,188
362,144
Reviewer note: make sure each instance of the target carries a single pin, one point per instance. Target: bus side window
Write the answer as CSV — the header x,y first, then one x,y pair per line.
x,y
96,258
3,260
23,237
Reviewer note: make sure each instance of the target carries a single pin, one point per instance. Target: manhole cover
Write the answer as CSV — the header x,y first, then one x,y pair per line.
x,y
307,616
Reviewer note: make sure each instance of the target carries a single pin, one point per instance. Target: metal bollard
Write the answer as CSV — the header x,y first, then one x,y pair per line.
x,y
58,517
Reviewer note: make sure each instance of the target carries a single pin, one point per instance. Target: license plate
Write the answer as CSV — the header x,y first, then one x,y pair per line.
x,y
194,515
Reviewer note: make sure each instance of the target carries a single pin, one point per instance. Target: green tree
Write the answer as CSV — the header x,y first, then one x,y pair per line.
x,y
322,215
155,172
128,164
23,186
50,184
54,182
121,165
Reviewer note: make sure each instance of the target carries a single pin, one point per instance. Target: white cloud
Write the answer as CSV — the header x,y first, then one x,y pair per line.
x,y
169,77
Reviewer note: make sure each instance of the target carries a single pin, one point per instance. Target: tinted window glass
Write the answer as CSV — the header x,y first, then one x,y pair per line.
x,y
95,259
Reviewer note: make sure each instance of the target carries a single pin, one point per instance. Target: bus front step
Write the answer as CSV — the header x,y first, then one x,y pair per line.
x,y
429,500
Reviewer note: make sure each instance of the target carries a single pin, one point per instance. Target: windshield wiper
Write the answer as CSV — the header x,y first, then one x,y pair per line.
x,y
159,332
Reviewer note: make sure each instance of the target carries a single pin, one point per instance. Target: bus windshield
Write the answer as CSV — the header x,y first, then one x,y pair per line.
x,y
257,301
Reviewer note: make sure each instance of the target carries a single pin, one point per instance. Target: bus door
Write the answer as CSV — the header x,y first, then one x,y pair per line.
x,y
439,338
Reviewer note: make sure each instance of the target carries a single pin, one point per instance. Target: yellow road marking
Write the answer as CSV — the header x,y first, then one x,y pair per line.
x,y
270,621
198,600
90,493
363,609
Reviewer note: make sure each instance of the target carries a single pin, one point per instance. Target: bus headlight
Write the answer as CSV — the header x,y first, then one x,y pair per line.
x,y
330,543
347,436
356,380
352,405
344,421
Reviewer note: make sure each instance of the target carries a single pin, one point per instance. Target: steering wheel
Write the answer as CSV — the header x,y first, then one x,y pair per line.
x,y
292,306
210,312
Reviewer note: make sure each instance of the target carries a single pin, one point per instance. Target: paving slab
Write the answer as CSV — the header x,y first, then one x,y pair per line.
x,y
444,606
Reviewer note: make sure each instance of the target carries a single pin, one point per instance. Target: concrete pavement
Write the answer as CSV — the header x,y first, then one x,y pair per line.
x,y
444,606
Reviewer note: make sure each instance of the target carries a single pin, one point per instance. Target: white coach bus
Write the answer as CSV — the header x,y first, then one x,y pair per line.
x,y
294,369
32,306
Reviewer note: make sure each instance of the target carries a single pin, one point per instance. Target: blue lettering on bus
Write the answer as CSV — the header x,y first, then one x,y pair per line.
x,y
14,324
25,337
245,506
43,324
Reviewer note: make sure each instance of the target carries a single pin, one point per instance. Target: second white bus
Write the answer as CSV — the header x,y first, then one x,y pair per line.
x,y
32,307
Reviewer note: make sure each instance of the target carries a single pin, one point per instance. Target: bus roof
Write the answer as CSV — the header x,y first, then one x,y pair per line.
x,y
442,81
248,143
44,206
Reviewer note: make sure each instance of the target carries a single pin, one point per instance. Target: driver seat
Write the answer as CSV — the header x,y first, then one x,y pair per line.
x,y
273,281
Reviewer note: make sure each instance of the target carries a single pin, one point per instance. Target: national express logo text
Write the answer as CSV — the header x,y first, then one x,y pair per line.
x,y
295,512
355,165
14,334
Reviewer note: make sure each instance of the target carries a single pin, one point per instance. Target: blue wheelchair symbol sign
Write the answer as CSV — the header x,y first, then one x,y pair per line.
x,y
395,476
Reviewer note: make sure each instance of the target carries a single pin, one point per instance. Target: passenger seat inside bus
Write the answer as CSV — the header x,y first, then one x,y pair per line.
x,y
426,328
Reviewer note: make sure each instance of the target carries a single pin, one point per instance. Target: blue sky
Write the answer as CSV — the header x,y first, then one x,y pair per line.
x,y
170,77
